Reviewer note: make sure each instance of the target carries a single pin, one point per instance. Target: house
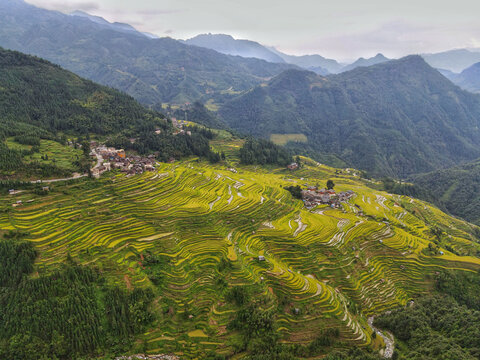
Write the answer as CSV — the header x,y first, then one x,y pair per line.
x,y
261,258
292,166
45,188
12,192
121,153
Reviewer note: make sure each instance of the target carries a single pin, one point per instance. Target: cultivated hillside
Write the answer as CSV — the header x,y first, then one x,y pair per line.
x,y
397,118
203,257
151,70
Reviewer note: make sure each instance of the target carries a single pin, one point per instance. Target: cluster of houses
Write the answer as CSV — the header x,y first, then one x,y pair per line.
x,y
314,196
109,158
292,166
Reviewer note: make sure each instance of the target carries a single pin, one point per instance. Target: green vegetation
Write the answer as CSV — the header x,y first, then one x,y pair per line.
x,y
284,139
456,189
232,261
393,119
199,114
153,71
442,325
55,104
263,152
64,314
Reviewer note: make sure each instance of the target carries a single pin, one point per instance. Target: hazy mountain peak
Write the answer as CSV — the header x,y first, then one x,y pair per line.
x,y
96,19
377,59
228,45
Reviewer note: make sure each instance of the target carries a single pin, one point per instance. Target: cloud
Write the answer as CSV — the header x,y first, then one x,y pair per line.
x,y
394,39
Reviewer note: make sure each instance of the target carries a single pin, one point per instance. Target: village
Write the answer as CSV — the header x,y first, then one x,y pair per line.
x,y
313,197
109,158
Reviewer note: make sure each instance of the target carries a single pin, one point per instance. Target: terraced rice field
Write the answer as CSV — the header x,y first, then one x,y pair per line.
x,y
338,266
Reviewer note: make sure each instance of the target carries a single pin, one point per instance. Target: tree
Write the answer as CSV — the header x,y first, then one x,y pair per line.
x,y
330,184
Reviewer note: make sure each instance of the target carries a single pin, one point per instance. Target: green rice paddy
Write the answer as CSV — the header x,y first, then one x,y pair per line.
x,y
338,266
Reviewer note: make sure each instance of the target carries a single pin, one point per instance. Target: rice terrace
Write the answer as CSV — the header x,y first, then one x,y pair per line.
x,y
210,229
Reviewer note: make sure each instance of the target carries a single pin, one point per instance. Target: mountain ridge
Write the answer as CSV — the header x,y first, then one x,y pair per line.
x,y
154,71
368,113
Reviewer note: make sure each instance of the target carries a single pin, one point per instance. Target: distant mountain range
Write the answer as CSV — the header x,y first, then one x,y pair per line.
x,y
453,60
154,71
468,79
397,118
226,44
378,59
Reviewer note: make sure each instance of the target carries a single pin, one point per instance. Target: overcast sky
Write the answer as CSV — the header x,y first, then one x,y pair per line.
x,y
341,29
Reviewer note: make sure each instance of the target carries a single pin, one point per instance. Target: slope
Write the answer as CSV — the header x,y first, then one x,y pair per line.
x,y
458,189
43,106
397,118
151,70
194,232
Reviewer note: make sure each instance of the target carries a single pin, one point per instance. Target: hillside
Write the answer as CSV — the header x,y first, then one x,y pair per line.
x,y
216,252
43,108
458,189
153,71
397,118
226,44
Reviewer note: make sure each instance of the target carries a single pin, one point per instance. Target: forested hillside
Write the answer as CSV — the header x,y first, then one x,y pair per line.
x,y
40,101
67,314
153,71
457,188
397,118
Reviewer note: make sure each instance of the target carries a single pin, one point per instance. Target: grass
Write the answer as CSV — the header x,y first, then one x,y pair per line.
x,y
60,155
283,139
199,216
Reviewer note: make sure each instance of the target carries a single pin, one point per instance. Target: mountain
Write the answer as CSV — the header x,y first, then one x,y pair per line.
x,y
453,60
397,118
311,62
154,71
115,26
226,44
47,97
468,79
378,59
42,106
